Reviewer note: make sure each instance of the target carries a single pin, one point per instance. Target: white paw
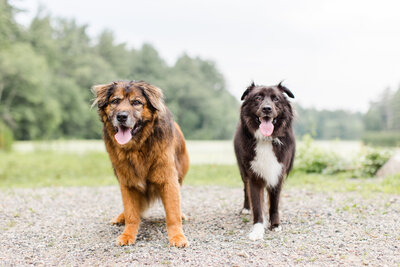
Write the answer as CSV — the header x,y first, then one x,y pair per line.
x,y
245,211
277,229
257,232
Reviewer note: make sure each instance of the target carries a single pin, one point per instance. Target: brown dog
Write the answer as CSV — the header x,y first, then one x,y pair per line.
x,y
148,153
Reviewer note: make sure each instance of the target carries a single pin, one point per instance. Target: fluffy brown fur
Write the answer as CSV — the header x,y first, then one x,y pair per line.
x,y
153,163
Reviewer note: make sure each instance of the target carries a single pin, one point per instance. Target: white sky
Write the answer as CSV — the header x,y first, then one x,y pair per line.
x,y
332,54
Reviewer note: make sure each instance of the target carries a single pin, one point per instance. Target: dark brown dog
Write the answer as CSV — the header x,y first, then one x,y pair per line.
x,y
265,147
147,151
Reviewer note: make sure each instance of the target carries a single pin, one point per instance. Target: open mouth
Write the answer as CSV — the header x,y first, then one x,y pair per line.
x,y
124,134
266,125
259,119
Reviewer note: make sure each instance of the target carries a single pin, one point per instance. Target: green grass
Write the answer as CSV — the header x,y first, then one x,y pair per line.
x,y
44,168
342,183
38,169
210,174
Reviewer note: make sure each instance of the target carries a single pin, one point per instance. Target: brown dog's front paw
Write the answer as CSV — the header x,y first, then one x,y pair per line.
x,y
183,217
178,241
125,240
118,220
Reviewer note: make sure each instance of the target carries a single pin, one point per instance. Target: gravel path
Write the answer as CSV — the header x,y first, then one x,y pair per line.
x,y
69,226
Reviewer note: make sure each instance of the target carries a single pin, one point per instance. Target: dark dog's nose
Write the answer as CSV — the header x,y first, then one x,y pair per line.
x,y
122,116
267,109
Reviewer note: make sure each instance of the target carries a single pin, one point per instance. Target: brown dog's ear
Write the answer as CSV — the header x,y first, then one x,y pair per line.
x,y
102,92
154,96
285,90
251,86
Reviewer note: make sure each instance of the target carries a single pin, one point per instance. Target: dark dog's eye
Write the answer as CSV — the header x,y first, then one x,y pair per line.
x,y
136,102
275,99
258,98
115,101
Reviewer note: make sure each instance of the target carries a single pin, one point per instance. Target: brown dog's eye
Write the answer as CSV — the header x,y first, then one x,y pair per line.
x,y
136,102
258,98
115,101
275,99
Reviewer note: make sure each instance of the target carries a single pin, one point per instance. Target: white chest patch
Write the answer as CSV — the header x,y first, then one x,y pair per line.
x,y
265,163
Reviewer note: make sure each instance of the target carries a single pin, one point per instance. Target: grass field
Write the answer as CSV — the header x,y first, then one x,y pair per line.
x,y
201,152
50,168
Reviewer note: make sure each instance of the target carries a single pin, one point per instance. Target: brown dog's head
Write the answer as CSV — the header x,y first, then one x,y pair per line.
x,y
266,108
125,107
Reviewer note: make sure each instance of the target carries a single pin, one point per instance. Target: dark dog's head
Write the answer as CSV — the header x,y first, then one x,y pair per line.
x,y
126,107
266,108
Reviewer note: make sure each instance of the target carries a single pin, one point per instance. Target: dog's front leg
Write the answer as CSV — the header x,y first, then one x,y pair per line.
x,y
132,201
257,188
170,195
274,195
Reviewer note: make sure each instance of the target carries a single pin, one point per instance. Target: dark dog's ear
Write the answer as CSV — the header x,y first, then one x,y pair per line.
x,y
251,86
285,90
102,92
154,96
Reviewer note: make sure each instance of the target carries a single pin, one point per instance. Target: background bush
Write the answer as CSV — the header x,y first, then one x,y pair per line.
x,y
313,159
370,161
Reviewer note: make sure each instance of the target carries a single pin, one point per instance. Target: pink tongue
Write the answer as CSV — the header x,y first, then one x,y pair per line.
x,y
266,127
123,136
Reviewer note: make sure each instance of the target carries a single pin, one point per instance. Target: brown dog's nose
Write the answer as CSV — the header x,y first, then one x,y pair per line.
x,y
267,109
122,116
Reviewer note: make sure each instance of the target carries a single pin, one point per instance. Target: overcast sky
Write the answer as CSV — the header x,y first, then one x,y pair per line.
x,y
331,54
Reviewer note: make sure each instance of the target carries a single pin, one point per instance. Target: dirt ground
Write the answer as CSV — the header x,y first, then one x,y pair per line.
x,y
69,226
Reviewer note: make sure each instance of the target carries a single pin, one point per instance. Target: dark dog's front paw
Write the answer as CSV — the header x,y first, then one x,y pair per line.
x,y
275,228
257,232
245,211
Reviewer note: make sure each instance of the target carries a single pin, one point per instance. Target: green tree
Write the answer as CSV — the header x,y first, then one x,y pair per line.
x,y
328,124
379,116
46,71
116,55
9,29
197,96
146,64
25,105
395,105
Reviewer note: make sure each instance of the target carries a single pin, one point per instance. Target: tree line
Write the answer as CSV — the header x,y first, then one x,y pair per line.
x,y
48,67
381,121
329,124
384,113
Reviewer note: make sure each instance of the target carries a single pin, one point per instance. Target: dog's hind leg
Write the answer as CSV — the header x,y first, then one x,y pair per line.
x,y
246,203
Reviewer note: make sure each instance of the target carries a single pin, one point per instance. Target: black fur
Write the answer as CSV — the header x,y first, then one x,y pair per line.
x,y
255,98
